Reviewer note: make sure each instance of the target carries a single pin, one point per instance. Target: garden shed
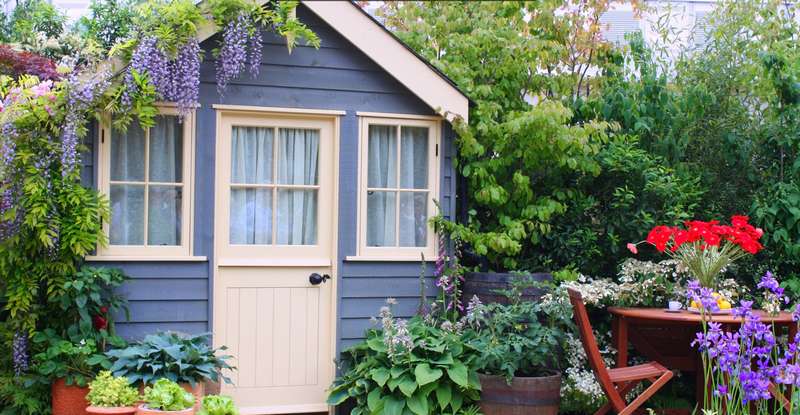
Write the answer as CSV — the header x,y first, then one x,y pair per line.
x,y
280,215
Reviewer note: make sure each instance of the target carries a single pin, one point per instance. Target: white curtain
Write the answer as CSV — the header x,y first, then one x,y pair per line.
x,y
381,173
251,163
413,175
298,159
127,200
165,166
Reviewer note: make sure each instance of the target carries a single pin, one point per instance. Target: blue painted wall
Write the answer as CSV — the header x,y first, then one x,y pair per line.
x,y
175,295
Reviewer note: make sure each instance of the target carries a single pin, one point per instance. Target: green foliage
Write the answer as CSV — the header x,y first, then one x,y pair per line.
x,y
76,361
521,338
435,373
33,17
166,395
109,21
218,405
25,395
60,220
636,190
109,391
88,295
177,357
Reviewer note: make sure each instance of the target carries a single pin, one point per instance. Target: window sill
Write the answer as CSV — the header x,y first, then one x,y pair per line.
x,y
367,258
144,258
274,262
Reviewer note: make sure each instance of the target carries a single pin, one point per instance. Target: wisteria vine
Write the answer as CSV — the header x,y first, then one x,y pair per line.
x,y
241,48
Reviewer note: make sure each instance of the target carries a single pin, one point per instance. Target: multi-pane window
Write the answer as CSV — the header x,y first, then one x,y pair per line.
x,y
274,186
146,179
400,182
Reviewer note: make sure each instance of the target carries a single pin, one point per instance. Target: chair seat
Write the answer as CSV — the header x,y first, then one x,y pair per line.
x,y
639,372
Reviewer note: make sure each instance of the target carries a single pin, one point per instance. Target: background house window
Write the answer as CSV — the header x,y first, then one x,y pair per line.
x,y
146,175
398,186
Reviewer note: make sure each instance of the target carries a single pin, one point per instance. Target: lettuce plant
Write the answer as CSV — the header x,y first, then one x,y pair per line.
x,y
166,395
218,405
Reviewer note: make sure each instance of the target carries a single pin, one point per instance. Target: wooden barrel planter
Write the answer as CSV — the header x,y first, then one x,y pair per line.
x,y
525,395
485,285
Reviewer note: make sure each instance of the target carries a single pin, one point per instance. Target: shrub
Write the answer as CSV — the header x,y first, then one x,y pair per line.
x,y
166,395
109,391
415,366
177,357
218,405
15,63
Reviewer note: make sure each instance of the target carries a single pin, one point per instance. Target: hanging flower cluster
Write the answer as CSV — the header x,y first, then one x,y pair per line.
x,y
241,48
20,355
742,366
706,248
175,79
81,95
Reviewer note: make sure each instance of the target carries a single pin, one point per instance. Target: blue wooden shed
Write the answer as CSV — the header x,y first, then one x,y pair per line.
x,y
281,215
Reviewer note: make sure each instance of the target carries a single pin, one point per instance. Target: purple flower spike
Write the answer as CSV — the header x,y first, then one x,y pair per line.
x,y
20,353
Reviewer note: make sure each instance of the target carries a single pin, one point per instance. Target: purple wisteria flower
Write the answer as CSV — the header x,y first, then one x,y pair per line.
x,y
241,49
19,351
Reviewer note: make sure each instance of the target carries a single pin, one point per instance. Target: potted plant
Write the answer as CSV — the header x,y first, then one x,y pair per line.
x,y
70,364
166,397
218,405
111,395
187,360
520,344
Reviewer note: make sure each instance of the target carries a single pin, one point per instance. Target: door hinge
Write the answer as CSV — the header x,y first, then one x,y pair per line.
x,y
437,150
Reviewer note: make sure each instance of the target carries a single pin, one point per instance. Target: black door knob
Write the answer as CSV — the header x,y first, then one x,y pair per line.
x,y
316,279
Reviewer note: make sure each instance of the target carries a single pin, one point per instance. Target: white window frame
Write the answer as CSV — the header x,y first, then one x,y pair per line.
x,y
398,253
145,252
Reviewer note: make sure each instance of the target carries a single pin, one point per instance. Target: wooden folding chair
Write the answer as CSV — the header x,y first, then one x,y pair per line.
x,y
618,382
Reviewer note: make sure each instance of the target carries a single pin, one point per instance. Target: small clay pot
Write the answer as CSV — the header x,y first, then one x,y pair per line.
x,y
68,399
198,391
144,410
117,410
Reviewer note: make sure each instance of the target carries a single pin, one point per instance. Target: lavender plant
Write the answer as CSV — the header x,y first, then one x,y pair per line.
x,y
745,367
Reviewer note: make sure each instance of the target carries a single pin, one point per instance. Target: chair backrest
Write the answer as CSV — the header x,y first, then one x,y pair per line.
x,y
596,361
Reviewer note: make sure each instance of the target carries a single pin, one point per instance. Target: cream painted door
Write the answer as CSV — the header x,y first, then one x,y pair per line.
x,y
274,245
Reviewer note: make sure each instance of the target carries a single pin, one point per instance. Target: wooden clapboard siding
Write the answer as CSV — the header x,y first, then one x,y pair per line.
x,y
337,76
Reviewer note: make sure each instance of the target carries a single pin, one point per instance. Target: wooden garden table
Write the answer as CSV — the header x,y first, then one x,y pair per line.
x,y
666,337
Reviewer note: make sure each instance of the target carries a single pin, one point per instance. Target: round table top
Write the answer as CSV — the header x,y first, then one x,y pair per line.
x,y
661,314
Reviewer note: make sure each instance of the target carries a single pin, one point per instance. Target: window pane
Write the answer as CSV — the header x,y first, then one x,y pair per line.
x,y
251,155
382,159
127,215
166,150
414,157
298,156
164,204
413,219
381,218
251,217
296,217
127,154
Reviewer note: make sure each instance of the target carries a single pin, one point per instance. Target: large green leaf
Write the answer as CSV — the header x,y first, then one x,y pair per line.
x,y
458,373
380,375
425,374
443,394
407,385
418,404
374,401
393,406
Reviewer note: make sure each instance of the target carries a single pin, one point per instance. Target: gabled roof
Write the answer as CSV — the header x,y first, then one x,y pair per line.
x,y
389,52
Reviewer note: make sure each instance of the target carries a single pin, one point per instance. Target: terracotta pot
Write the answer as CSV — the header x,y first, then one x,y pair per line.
x,y
525,395
144,410
199,390
68,399
118,410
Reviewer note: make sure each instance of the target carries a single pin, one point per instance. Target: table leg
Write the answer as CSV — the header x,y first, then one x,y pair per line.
x,y
619,335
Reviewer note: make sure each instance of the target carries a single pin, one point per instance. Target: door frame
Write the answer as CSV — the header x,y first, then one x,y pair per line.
x,y
333,116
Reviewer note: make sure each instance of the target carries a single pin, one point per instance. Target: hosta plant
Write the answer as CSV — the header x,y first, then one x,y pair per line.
x,y
218,405
170,355
417,366
166,395
108,391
